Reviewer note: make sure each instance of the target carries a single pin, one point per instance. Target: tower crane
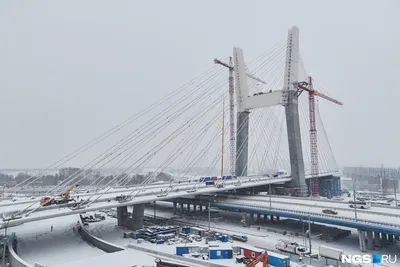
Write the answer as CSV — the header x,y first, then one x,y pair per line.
x,y
308,87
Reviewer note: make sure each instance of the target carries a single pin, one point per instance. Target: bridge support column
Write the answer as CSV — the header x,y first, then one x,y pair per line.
x,y
391,238
181,206
370,241
298,182
277,218
258,217
384,238
242,142
122,214
136,222
272,218
175,204
361,238
188,207
194,207
201,207
377,239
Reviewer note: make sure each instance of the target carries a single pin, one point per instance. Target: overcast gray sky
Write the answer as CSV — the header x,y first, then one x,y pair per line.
x,y
70,70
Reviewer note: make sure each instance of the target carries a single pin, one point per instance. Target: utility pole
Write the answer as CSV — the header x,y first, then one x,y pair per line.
x,y
231,113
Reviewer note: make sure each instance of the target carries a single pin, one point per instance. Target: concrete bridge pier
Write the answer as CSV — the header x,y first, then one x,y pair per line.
x,y
122,214
377,239
370,241
133,222
277,218
181,204
201,207
136,222
391,238
272,218
361,238
188,207
175,204
258,217
384,239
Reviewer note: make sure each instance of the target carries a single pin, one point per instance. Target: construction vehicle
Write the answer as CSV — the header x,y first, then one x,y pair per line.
x,y
291,247
262,258
62,198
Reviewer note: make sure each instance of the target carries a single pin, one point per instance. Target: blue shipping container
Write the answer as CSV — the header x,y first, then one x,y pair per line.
x,y
278,260
182,250
220,253
186,229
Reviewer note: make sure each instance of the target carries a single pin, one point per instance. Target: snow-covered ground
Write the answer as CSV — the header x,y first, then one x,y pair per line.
x,y
261,238
38,244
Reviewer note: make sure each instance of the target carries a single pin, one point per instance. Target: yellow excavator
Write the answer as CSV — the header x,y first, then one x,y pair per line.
x,y
62,198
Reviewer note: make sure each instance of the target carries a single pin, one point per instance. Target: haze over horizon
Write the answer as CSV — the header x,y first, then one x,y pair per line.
x,y
72,70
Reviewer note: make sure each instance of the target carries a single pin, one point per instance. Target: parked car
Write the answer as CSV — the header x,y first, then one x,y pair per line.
x,y
330,211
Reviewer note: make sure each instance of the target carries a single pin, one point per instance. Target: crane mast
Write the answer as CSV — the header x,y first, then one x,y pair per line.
x,y
313,141
308,86
232,154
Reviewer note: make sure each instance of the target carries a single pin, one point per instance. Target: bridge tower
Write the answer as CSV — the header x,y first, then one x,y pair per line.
x,y
292,113
286,97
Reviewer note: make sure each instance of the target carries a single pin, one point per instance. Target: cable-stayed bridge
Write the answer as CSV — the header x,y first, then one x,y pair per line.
x,y
274,134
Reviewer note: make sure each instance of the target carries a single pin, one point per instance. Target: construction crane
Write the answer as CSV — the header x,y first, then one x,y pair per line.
x,y
262,258
308,86
62,198
232,109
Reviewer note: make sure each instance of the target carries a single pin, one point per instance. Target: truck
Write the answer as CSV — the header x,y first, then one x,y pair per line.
x,y
242,238
360,204
330,253
62,198
291,247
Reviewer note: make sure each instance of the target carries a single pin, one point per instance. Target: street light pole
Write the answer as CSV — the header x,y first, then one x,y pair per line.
x,y
354,200
309,231
270,201
5,243
395,193
209,215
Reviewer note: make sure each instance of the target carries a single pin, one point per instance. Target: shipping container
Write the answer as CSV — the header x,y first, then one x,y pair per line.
x,y
186,229
220,253
278,260
250,252
186,250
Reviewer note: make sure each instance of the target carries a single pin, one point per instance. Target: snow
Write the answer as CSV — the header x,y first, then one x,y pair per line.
x,y
38,244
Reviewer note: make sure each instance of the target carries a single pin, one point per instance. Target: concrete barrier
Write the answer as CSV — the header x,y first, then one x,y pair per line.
x,y
13,258
95,241
175,257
